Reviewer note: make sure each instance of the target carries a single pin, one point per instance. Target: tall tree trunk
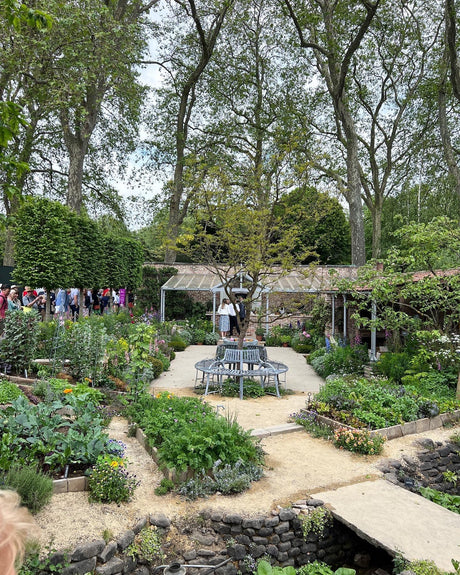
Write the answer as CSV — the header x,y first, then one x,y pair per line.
x,y
449,154
77,151
177,212
353,194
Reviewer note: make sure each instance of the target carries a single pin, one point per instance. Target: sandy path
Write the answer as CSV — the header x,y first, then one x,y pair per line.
x,y
297,464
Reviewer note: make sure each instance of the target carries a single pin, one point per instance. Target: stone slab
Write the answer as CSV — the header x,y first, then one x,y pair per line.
x,y
397,520
277,430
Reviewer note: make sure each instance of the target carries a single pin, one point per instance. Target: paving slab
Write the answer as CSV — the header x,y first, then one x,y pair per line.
x,y
300,377
397,520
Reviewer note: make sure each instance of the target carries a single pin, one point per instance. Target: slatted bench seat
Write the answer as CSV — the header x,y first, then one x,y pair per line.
x,y
241,363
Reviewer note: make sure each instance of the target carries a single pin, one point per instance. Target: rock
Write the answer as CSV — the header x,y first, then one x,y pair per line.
x,y
160,520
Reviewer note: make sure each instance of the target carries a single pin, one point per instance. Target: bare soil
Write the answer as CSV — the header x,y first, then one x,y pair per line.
x,y
297,465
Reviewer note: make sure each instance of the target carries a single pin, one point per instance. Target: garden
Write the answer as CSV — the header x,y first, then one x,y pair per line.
x,y
54,423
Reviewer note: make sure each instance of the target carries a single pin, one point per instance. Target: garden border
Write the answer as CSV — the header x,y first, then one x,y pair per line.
x,y
394,431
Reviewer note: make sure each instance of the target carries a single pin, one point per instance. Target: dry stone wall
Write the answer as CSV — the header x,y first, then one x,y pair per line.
x,y
216,537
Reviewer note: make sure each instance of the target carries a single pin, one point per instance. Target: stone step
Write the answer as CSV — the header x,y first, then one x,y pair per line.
x,y
277,430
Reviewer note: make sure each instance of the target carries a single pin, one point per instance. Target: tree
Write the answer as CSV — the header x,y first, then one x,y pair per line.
x,y
250,241
17,22
44,245
98,68
334,32
189,43
417,286
321,222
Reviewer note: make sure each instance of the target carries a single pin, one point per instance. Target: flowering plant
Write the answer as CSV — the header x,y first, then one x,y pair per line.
x,y
110,482
358,441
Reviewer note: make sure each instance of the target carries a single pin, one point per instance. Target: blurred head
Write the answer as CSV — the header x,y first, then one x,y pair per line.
x,y
16,524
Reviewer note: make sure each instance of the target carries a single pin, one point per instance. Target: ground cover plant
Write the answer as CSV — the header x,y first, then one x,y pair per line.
x,y
251,389
190,436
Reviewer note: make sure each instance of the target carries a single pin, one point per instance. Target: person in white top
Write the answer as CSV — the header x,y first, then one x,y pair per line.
x,y
224,322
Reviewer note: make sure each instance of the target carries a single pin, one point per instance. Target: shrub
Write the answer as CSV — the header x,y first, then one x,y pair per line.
x,y
320,352
34,487
301,342
110,482
165,362
211,338
226,479
177,343
199,336
358,441
184,335
8,391
157,367
393,365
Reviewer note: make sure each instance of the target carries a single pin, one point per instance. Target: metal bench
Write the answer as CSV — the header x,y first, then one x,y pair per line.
x,y
233,365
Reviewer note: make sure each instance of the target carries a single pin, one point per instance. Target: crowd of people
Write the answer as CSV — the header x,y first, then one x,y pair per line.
x,y
64,301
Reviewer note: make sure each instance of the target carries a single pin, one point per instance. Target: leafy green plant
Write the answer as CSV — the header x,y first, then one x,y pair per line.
x,y
147,546
359,441
316,521
17,347
450,476
199,336
110,482
190,435
178,343
85,349
393,365
424,567
451,502
156,366
34,487
166,485
264,568
36,562
226,479
45,434
319,568
9,391
341,360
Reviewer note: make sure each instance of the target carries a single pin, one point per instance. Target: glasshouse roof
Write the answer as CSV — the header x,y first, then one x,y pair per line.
x,y
304,279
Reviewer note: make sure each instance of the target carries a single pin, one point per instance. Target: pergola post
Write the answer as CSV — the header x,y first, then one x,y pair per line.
x,y
213,310
162,305
344,316
373,356
333,315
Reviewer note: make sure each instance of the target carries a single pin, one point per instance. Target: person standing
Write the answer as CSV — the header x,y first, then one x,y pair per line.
x,y
241,313
224,321
75,303
96,303
14,303
4,293
32,301
232,318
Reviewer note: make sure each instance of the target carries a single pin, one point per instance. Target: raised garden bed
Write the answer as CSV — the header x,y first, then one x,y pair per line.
x,y
394,431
